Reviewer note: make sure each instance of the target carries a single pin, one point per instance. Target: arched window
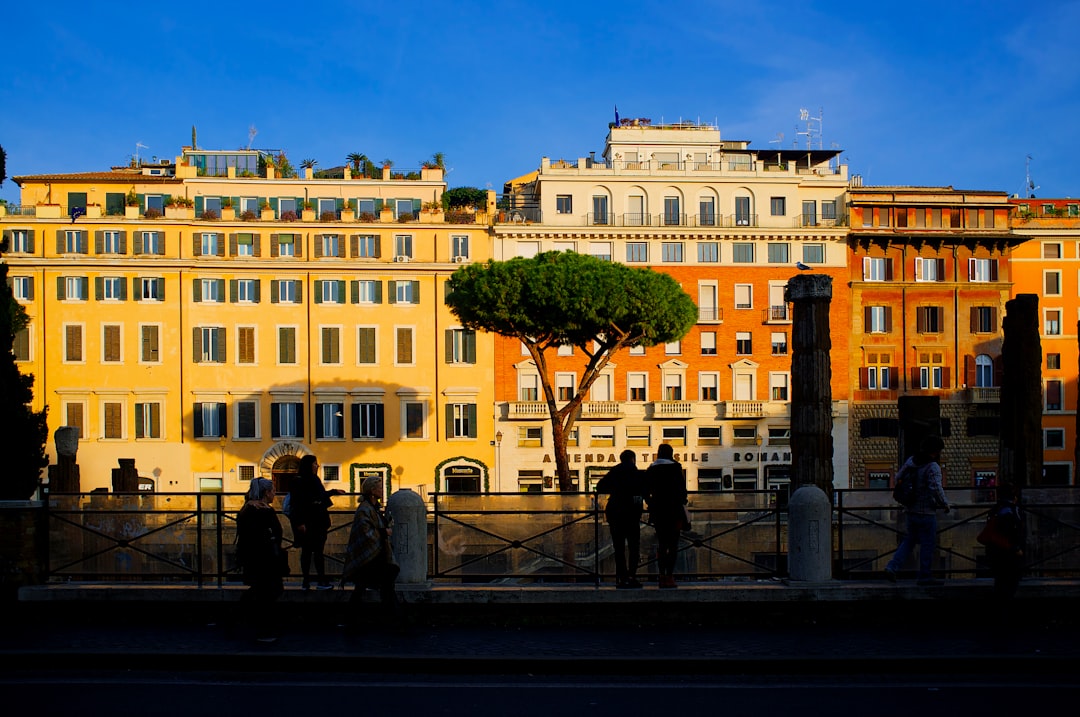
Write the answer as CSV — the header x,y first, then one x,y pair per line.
x,y
984,371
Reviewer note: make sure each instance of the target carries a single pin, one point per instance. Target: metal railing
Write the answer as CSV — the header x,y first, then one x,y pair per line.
x,y
528,538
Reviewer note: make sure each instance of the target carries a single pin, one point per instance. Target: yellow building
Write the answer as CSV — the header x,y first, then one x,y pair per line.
x,y
216,322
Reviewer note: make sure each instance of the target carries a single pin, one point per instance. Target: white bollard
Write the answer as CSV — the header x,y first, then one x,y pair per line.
x,y
409,540
809,535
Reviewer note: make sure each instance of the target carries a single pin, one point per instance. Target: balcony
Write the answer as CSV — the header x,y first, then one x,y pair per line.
x,y
710,315
527,410
601,410
744,409
672,409
776,315
984,394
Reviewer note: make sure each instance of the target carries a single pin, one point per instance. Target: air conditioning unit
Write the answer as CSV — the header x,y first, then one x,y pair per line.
x,y
460,259
401,257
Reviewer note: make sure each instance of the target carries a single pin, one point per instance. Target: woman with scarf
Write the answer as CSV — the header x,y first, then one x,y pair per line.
x,y
258,548
369,558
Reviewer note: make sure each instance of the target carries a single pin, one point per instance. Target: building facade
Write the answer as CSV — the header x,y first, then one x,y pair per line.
x,y
730,225
216,322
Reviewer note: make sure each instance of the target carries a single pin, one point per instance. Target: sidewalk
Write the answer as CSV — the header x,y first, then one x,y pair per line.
x,y
708,628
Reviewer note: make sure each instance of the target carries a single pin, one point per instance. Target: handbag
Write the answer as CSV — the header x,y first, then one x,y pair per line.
x,y
991,535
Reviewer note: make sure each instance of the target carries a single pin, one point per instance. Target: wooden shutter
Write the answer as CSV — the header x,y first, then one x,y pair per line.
x,y
274,245
256,294
149,343
99,241
298,245
221,244
378,246
256,245
449,420
993,270
137,242
74,343
318,248
122,245
234,291
275,420
354,245
274,290
99,288
196,344
113,420
232,243
246,339
196,244
74,417
139,410
969,370
471,410
366,340
378,292
469,348
318,292
920,319
112,343
888,269
60,244
404,345
221,345
246,419
160,284
61,288
320,429
299,420
196,290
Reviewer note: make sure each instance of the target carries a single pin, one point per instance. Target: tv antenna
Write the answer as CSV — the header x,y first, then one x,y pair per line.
x,y
813,131
139,145
251,135
1029,185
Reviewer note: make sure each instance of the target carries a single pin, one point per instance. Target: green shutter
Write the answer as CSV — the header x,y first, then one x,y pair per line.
x,y
449,348
234,291
318,294
472,420
449,420
160,288
378,292
196,347
99,288
416,292
199,206
274,291
196,290
61,288
354,291
258,291
391,291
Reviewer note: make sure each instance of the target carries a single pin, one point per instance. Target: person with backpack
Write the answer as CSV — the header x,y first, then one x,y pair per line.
x,y
923,471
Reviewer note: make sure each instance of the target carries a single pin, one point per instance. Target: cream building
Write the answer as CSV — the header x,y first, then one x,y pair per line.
x,y
215,322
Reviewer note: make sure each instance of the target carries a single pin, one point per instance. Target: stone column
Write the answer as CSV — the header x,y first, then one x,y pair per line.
x,y
810,507
125,479
409,540
1021,456
64,476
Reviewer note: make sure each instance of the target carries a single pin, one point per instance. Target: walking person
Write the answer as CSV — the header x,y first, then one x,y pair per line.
x,y
1007,556
625,486
309,514
922,513
259,552
665,493
369,557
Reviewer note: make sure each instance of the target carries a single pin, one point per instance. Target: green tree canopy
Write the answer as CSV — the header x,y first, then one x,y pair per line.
x,y
560,298
25,430
460,197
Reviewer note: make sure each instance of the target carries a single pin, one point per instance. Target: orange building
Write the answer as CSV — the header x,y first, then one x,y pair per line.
x,y
1047,264
930,275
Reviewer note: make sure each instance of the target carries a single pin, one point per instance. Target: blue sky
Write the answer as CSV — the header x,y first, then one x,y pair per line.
x,y
919,93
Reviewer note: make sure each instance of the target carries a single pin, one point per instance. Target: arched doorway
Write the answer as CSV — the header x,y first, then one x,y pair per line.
x,y
285,469
281,464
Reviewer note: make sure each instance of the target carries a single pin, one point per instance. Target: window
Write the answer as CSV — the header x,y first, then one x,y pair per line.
x,y
405,292
984,371
20,347
982,270
209,344
602,436
674,435
564,204
414,419
21,241
246,244
209,290
459,247
744,345
673,348
1052,283
210,244
672,252
929,269
707,308
147,420
708,343
672,215
877,319
209,420
707,212
246,291
600,210
110,343
73,343
779,343
984,319
329,420
744,296
285,291
601,388
285,244
73,416
878,374
778,386
930,373
111,242
780,436
403,246
600,249
460,346
73,288
151,289
149,343
929,319
778,206
461,420
403,355
287,420
1051,250
1052,322
22,287
330,291
809,213
813,253
365,246
742,253
828,209
877,268
709,385
528,249
637,435
330,244
366,346
708,252
742,211
152,243
1055,391
247,419
367,421
565,386
637,251
245,344
72,241
1053,361
530,436
330,343
528,387
1054,438
635,384
113,423
673,387
286,344
637,350
779,252
708,436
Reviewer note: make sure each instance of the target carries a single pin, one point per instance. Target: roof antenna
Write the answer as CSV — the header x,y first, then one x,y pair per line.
x,y
251,135
137,146
1029,186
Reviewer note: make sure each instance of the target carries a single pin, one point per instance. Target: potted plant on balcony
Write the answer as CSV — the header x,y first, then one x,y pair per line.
x,y
266,214
431,212
348,212
228,213
131,205
307,211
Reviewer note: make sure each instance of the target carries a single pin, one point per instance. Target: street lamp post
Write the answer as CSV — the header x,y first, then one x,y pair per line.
x,y
498,461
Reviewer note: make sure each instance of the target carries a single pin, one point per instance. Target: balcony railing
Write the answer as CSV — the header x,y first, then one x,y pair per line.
x,y
673,409
776,315
527,409
602,409
744,409
709,314
984,394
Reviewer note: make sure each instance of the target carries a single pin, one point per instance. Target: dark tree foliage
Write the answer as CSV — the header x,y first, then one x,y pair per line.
x,y
3,165
462,197
25,431
565,298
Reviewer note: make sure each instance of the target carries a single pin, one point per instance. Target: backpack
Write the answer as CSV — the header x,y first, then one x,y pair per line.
x,y
286,506
904,490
